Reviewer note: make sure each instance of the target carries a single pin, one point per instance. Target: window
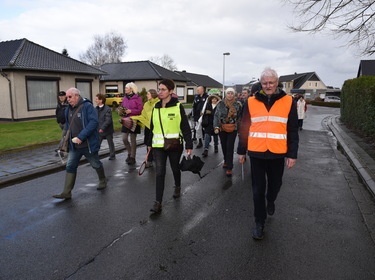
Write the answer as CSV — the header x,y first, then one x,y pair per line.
x,y
85,89
41,93
109,89
180,92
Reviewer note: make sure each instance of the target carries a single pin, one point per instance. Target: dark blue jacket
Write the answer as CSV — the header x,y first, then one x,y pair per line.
x,y
90,123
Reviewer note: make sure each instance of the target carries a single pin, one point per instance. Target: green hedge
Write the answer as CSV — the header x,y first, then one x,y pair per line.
x,y
358,104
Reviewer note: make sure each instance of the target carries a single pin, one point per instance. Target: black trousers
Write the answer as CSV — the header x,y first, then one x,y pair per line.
x,y
227,140
266,178
160,160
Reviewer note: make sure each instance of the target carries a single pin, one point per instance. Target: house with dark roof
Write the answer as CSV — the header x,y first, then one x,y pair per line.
x,y
196,80
145,74
31,77
366,68
308,84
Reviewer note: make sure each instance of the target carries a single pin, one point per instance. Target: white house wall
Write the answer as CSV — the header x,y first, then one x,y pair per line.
x,y
18,83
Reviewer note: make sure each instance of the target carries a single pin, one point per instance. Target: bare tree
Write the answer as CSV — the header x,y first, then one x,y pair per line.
x,y
106,49
165,61
351,18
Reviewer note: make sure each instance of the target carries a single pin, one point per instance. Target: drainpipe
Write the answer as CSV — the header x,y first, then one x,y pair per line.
x,y
10,93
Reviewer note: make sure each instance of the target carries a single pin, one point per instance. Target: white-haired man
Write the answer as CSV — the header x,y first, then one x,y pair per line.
x,y
269,134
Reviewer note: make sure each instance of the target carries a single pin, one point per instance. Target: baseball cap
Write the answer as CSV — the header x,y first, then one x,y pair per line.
x,y
62,93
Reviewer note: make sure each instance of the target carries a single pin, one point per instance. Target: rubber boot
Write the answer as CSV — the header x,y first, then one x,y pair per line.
x,y
70,179
102,179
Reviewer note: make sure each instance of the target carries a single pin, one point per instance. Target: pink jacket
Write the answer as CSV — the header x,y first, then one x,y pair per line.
x,y
135,104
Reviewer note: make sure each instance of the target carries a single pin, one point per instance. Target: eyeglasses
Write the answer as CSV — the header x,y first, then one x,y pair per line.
x,y
69,96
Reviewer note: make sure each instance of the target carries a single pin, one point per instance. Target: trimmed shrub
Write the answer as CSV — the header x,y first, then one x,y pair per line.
x,y
358,104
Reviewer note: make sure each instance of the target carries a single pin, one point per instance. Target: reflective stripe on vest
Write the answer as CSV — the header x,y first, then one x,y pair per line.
x,y
171,120
268,129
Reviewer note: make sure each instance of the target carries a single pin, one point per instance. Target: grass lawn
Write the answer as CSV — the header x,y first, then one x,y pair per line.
x,y
27,133
20,134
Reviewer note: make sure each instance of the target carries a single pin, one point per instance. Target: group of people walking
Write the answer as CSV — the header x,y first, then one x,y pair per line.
x,y
266,125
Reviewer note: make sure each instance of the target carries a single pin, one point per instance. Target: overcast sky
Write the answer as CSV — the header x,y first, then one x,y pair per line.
x,y
195,33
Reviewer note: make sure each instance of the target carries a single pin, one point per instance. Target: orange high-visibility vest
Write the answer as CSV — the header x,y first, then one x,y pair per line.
x,y
268,128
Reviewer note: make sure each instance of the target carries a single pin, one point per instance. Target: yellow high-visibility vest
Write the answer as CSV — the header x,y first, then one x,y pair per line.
x,y
171,119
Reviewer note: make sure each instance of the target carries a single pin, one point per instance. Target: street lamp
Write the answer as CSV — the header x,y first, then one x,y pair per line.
x,y
224,54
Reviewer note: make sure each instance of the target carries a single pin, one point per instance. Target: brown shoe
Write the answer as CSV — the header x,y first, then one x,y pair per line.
x,y
131,161
177,192
156,208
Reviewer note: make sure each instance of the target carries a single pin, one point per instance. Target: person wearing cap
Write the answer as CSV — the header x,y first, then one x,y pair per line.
x,y
62,104
226,121
60,109
269,134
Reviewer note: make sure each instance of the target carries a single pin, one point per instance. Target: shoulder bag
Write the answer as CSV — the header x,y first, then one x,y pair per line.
x,y
64,142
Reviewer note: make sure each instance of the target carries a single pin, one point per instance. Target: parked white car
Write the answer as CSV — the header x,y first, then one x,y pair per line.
x,y
332,99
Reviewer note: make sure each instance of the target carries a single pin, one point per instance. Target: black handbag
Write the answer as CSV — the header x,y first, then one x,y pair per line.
x,y
170,144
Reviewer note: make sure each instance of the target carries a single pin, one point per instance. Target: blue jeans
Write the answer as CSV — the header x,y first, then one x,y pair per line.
x,y
207,140
75,155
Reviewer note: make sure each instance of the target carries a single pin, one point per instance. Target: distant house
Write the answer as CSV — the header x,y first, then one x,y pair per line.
x,y
195,80
145,74
366,68
308,84
31,77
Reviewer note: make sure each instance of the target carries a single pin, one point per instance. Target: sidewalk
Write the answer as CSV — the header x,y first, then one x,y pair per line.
x,y
24,165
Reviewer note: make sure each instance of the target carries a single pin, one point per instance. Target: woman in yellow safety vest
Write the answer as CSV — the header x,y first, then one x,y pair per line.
x,y
168,120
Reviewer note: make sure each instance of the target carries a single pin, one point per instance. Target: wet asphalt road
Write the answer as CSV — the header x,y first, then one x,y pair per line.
x,y
317,232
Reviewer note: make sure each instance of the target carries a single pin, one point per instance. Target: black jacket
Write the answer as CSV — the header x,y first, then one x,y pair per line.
x,y
184,126
60,112
105,120
198,105
292,129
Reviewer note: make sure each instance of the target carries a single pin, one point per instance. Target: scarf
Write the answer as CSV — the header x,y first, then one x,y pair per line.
x,y
232,112
129,96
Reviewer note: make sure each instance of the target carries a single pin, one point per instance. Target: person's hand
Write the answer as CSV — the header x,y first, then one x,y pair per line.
x,y
76,140
149,148
101,130
208,112
242,158
128,111
189,152
216,130
290,162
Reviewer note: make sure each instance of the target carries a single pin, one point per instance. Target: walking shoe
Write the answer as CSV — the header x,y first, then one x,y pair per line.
x,y
216,149
131,161
205,153
270,208
156,208
229,173
127,159
258,232
111,158
177,192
